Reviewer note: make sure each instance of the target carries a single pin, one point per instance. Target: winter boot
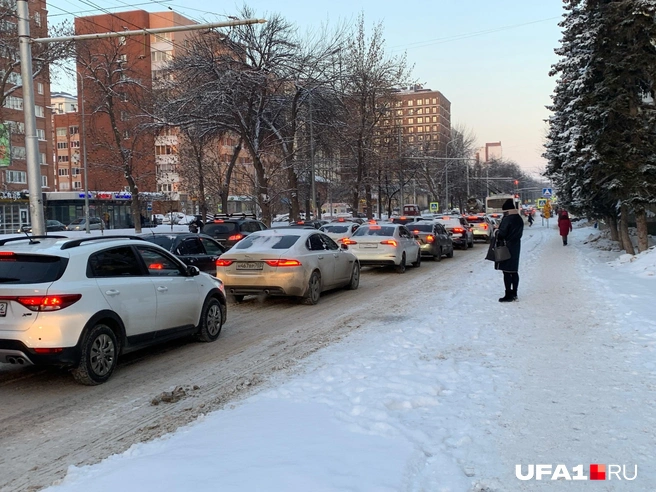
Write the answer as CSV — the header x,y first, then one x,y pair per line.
x,y
508,297
513,293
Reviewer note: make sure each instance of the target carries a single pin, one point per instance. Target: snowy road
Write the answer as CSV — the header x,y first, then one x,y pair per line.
x,y
54,422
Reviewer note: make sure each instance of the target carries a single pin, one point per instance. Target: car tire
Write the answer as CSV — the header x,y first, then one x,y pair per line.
x,y
314,290
211,320
470,245
400,268
355,277
438,256
98,357
450,253
417,263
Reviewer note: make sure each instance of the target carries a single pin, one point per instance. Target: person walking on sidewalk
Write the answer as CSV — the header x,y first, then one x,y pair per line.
x,y
510,232
564,225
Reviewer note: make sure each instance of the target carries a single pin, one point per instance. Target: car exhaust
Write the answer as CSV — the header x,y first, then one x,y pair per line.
x,y
11,360
266,292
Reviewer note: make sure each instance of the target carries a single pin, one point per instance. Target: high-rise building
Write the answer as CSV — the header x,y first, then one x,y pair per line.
x,y
492,151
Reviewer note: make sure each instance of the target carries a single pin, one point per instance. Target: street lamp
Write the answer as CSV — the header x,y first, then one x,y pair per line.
x,y
84,156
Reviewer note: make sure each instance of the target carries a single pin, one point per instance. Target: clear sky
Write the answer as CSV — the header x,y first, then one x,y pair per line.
x,y
491,59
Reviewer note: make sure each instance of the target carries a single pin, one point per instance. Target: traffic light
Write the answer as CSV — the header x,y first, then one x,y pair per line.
x,y
516,182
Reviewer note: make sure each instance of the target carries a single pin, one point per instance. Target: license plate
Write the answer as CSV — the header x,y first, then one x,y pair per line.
x,y
250,265
3,308
369,245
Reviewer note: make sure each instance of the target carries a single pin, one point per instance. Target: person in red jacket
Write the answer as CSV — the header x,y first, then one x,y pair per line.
x,y
564,225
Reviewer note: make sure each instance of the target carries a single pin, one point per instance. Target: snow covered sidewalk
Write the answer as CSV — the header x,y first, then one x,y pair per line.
x,y
448,395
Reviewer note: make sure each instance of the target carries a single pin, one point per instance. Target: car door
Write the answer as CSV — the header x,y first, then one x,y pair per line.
x,y
178,304
409,244
212,252
192,252
323,258
343,260
126,287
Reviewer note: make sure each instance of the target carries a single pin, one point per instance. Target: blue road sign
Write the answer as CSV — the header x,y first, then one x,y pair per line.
x,y
546,192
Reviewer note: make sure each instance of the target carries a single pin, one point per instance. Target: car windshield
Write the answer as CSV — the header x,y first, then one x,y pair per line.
x,y
375,231
421,227
336,229
165,242
30,269
264,242
77,221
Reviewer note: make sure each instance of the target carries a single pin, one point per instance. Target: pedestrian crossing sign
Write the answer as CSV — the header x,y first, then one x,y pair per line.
x,y
546,192
434,207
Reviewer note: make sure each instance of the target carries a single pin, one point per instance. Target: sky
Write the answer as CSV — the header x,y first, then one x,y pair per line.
x,y
447,398
490,59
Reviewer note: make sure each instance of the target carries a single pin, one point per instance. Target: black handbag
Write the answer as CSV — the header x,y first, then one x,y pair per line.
x,y
501,253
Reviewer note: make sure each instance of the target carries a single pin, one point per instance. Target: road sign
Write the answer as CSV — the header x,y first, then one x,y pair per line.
x,y
542,202
434,206
547,193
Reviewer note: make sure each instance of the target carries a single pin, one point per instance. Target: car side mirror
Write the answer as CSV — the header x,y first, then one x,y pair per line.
x,y
193,271
416,236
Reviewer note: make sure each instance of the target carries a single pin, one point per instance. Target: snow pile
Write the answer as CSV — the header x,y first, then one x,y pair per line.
x,y
642,264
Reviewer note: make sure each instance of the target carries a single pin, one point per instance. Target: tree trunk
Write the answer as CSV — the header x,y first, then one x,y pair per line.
x,y
627,245
641,225
294,212
611,220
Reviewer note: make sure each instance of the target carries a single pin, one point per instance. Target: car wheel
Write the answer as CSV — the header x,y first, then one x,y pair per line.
x,y
450,253
355,277
417,263
401,267
314,290
471,244
438,256
238,298
99,353
211,321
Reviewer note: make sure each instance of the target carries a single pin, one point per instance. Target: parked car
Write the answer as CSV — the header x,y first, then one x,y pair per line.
x,y
460,230
316,223
482,226
288,262
199,250
95,223
51,226
230,229
406,219
385,245
434,240
339,230
82,303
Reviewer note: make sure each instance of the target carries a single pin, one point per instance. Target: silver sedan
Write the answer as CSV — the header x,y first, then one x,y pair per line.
x,y
385,244
287,262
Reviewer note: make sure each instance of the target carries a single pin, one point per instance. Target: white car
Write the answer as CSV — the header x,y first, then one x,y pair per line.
x,y
81,303
340,230
385,244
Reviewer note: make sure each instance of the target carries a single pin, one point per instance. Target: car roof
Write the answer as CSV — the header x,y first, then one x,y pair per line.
x,y
62,246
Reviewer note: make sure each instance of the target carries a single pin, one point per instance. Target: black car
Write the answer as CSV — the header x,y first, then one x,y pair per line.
x,y
198,250
51,226
434,240
316,223
230,229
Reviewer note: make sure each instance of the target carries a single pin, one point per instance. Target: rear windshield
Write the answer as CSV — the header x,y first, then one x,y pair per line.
x,y
374,231
223,228
421,227
475,220
31,269
259,242
336,229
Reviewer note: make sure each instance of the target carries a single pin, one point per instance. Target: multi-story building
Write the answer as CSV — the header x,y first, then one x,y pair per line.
x,y
63,102
14,205
491,151
68,164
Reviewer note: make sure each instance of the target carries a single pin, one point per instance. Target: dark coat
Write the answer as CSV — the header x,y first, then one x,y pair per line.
x,y
510,231
565,225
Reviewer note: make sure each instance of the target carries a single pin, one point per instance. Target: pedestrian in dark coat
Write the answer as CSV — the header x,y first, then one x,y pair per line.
x,y
564,225
510,232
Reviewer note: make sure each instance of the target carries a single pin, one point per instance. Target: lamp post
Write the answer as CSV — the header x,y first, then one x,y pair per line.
x,y
84,156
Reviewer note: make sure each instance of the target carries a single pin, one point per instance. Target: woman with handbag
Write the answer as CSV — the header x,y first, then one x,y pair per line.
x,y
509,234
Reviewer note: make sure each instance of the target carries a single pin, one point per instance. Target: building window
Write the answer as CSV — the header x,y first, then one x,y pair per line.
x,y
42,159
44,181
420,120
411,112
420,138
434,100
62,145
61,132
125,116
161,56
409,103
411,130
427,129
74,130
420,111
75,144
62,171
434,119
16,177
434,109
39,111
123,58
161,37
39,87
37,21
13,102
75,171
77,185
411,138
121,40
419,102
17,152
434,128
126,134
411,121
41,134
64,186
163,150
62,158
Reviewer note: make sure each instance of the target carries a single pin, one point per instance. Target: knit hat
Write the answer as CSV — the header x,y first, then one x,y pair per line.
x,y
508,205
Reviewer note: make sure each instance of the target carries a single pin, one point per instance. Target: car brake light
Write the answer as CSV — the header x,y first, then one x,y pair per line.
x,y
374,227
7,256
458,230
48,350
391,242
346,240
224,263
7,253
283,263
156,266
430,238
48,303
236,237
484,226
218,221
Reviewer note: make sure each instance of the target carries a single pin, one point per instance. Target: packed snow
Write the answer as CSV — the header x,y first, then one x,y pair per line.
x,y
448,394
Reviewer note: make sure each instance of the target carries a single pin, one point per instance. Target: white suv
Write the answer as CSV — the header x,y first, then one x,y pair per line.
x,y
80,303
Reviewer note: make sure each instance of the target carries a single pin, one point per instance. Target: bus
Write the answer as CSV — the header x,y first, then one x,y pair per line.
x,y
493,203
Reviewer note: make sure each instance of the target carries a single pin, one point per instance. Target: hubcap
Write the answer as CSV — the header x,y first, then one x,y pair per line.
x,y
356,276
102,355
213,319
314,288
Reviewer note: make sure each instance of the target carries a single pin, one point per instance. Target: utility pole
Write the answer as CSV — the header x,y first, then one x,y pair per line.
x,y
312,178
84,159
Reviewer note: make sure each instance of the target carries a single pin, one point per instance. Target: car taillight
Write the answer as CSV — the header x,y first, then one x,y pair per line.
x,y
458,230
156,266
485,226
236,237
390,242
7,256
346,240
283,263
48,350
224,263
430,238
48,303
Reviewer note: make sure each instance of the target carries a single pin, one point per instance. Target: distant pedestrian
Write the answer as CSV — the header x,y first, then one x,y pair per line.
x,y
564,225
530,219
510,232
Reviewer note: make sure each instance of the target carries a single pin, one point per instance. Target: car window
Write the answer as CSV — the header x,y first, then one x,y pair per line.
x,y
158,264
165,242
191,246
403,232
330,244
255,241
335,229
314,243
211,247
30,269
422,227
374,231
114,262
